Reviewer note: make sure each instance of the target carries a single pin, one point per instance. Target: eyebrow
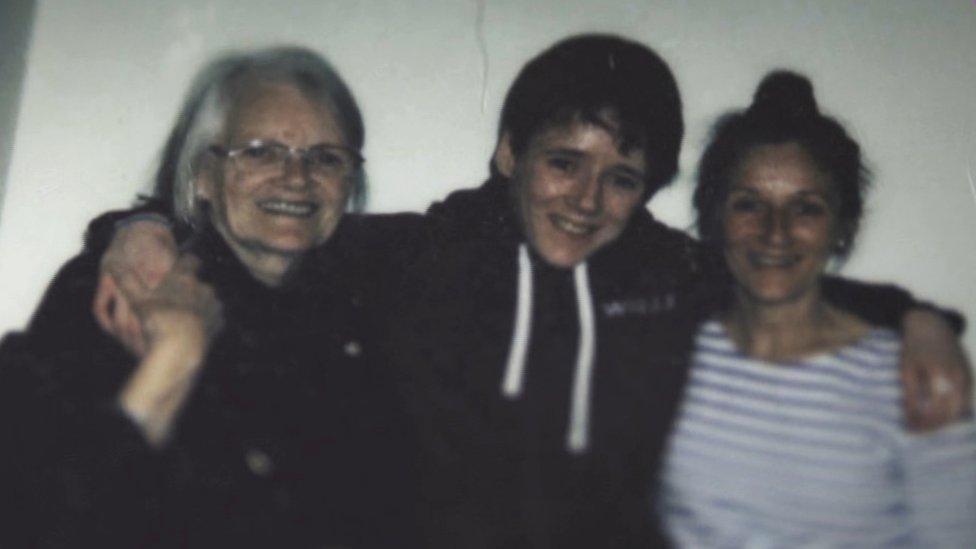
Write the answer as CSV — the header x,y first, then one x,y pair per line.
x,y
566,151
748,190
579,154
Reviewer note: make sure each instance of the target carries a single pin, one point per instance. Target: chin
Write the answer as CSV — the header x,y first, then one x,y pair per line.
x,y
289,244
561,258
775,295
563,254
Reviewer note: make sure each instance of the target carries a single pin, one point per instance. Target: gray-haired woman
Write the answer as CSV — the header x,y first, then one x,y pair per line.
x,y
274,431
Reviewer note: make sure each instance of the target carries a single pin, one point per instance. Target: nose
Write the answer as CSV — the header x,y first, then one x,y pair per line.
x,y
589,195
776,227
295,172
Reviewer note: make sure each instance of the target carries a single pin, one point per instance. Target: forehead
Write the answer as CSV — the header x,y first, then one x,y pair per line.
x,y
780,168
283,113
586,137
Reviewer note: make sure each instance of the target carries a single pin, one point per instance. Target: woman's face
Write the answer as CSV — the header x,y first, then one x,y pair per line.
x,y
780,224
286,211
575,189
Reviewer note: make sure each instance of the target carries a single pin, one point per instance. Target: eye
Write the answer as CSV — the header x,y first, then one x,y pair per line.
x,y
626,182
262,152
744,204
328,158
563,164
809,208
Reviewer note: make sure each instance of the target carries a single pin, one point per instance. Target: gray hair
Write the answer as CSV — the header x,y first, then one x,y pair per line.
x,y
212,94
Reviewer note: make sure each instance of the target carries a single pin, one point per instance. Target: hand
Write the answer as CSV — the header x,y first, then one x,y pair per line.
x,y
179,318
140,255
936,375
181,308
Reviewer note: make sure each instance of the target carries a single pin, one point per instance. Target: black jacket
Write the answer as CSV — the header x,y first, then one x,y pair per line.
x,y
291,437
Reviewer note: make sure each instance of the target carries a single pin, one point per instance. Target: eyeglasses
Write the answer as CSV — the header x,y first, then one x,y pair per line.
x,y
321,161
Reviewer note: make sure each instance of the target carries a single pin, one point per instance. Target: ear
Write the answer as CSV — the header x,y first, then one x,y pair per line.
x,y
504,158
204,187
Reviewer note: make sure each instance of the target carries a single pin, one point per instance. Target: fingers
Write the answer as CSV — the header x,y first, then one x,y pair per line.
x,y
954,389
180,298
933,397
130,327
145,250
912,397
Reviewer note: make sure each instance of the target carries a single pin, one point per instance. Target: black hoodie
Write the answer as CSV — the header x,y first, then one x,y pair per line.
x,y
543,428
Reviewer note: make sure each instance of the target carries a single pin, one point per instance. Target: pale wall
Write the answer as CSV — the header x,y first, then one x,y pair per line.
x,y
105,77
16,17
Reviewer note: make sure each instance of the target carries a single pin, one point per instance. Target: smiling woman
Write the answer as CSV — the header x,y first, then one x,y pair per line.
x,y
276,431
792,431
271,205
780,223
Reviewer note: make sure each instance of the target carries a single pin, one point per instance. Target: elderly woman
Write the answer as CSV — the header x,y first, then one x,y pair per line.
x,y
792,432
274,432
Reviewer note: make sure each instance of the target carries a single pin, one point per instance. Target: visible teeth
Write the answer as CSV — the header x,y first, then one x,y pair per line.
x,y
571,227
288,208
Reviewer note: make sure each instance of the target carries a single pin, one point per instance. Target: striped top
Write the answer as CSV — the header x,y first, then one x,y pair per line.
x,y
812,453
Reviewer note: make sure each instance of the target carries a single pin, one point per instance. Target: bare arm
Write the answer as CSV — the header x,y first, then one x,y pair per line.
x,y
178,318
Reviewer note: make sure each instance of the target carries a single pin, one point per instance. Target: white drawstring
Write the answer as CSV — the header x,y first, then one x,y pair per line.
x,y
577,439
515,368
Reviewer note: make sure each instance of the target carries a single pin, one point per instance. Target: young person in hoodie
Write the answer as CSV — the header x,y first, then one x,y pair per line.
x,y
540,324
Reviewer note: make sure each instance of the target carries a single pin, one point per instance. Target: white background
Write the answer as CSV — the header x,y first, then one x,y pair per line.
x,y
104,79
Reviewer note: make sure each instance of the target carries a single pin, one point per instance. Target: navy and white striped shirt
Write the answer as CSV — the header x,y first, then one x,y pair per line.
x,y
812,453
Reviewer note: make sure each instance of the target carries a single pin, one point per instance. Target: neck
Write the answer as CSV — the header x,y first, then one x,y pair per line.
x,y
778,331
269,267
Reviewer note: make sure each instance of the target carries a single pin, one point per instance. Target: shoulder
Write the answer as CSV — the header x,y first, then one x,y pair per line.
x,y
62,334
370,229
66,303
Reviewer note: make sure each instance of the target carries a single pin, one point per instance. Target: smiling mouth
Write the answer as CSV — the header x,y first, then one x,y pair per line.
x,y
773,261
572,228
288,208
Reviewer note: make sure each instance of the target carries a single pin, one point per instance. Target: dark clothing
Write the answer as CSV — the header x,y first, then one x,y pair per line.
x,y
290,438
501,469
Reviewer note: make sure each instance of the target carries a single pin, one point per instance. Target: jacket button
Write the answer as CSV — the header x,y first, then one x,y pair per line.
x,y
258,462
352,348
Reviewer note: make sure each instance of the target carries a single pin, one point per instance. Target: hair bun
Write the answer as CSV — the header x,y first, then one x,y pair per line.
x,y
785,95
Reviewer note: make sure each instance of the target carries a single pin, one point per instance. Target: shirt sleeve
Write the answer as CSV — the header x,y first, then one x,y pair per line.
x,y
880,304
940,482
100,230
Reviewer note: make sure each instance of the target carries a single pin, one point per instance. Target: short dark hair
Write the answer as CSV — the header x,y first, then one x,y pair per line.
x,y
585,77
783,110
